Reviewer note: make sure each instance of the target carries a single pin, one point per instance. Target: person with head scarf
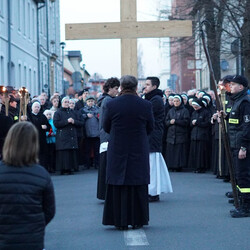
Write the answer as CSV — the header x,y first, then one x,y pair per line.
x,y
41,123
200,122
66,122
177,121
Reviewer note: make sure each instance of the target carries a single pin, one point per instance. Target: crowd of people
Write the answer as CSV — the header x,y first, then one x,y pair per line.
x,y
134,137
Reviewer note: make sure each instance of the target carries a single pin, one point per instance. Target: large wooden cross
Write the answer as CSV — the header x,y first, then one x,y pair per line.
x,y
128,30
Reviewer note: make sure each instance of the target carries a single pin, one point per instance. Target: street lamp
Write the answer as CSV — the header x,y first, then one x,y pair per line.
x,y
63,44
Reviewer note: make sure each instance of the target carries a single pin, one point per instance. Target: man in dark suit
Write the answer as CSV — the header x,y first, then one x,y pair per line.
x,y
128,119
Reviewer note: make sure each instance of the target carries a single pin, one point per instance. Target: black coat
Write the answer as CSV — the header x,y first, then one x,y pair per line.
x,y
178,132
27,205
5,123
155,138
200,131
128,119
39,120
66,134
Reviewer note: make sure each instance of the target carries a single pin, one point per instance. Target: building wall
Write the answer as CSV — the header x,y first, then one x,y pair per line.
x,y
23,45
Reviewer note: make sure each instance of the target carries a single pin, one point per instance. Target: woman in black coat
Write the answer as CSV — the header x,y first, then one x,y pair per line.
x,y
200,123
66,121
128,119
27,201
41,123
177,122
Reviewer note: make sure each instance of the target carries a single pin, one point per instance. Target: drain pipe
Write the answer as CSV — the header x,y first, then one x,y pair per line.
x,y
38,47
9,44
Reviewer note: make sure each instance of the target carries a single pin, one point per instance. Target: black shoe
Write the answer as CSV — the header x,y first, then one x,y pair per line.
x,y
229,194
152,198
137,226
201,171
121,228
231,201
240,213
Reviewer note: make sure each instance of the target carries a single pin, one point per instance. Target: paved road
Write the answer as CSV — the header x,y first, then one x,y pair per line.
x,y
195,216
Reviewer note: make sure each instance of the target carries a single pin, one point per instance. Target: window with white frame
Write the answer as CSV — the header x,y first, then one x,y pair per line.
x,y
24,17
2,70
28,23
19,21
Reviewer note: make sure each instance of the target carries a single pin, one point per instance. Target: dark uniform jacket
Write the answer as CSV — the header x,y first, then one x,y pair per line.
x,y
27,205
128,119
155,138
178,132
66,135
239,121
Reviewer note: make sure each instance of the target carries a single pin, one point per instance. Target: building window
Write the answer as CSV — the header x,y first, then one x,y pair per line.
x,y
28,23
41,76
24,17
25,75
33,25
20,74
13,74
30,80
1,8
34,86
19,14
2,70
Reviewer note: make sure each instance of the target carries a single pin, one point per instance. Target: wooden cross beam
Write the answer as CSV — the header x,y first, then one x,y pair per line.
x,y
128,30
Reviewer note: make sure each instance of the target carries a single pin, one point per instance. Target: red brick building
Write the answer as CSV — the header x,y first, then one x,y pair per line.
x,y
182,51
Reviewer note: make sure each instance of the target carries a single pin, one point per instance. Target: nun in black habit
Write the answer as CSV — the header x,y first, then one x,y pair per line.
x,y
200,122
128,119
177,121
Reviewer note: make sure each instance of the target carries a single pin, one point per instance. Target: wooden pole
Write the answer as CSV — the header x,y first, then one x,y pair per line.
x,y
223,127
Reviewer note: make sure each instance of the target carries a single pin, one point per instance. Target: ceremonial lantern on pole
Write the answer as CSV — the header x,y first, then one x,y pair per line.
x,y
24,100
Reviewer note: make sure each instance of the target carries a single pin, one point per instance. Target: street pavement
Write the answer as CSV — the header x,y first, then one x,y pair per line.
x,y
194,216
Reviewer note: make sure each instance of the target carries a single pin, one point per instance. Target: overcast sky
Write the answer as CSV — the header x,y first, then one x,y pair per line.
x,y
103,56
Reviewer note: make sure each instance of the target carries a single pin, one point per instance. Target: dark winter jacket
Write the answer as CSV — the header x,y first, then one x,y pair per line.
x,y
200,131
39,120
155,138
128,119
13,114
79,105
91,124
27,205
178,132
5,123
102,103
66,135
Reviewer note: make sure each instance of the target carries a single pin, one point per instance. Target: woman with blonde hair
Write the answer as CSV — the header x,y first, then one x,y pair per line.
x,y
27,201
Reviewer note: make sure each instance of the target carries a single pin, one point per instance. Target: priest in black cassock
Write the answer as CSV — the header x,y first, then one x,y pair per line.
x,y
128,119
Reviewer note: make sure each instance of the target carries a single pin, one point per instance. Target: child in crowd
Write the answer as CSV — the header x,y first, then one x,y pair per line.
x,y
91,115
51,142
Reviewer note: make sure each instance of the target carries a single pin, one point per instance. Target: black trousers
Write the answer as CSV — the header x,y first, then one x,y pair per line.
x,y
242,173
92,148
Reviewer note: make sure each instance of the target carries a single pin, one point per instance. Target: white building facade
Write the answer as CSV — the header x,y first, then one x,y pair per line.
x,y
30,45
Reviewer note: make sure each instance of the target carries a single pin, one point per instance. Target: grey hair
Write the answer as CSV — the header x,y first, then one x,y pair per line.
x,y
129,82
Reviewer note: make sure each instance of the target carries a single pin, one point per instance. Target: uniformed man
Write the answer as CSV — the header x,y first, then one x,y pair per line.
x,y
239,137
